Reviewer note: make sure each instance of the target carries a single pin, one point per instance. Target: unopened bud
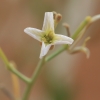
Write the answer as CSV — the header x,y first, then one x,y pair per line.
x,y
58,17
88,18
95,18
54,14
85,41
81,49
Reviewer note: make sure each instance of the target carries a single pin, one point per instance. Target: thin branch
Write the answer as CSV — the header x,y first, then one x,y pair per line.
x,y
67,29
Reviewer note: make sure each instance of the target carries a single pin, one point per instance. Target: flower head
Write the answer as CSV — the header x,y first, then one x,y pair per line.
x,y
47,35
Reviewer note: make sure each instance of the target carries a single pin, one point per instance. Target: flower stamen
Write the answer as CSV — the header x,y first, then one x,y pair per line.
x,y
48,38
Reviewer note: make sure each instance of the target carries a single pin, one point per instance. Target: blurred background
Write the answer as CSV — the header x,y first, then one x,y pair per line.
x,y
66,77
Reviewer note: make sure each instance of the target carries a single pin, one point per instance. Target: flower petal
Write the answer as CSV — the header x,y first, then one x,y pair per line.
x,y
44,49
33,32
48,22
61,39
47,49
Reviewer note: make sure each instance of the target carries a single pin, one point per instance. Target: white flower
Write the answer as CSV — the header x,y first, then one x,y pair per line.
x,y
47,36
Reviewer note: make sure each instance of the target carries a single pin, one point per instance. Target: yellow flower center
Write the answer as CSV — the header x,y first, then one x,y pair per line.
x,y
48,37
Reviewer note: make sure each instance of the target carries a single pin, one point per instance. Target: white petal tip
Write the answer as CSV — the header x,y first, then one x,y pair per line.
x,y
71,41
27,29
41,57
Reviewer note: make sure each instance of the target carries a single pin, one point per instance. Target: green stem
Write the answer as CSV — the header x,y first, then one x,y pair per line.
x,y
11,67
18,74
81,27
4,58
33,79
56,53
